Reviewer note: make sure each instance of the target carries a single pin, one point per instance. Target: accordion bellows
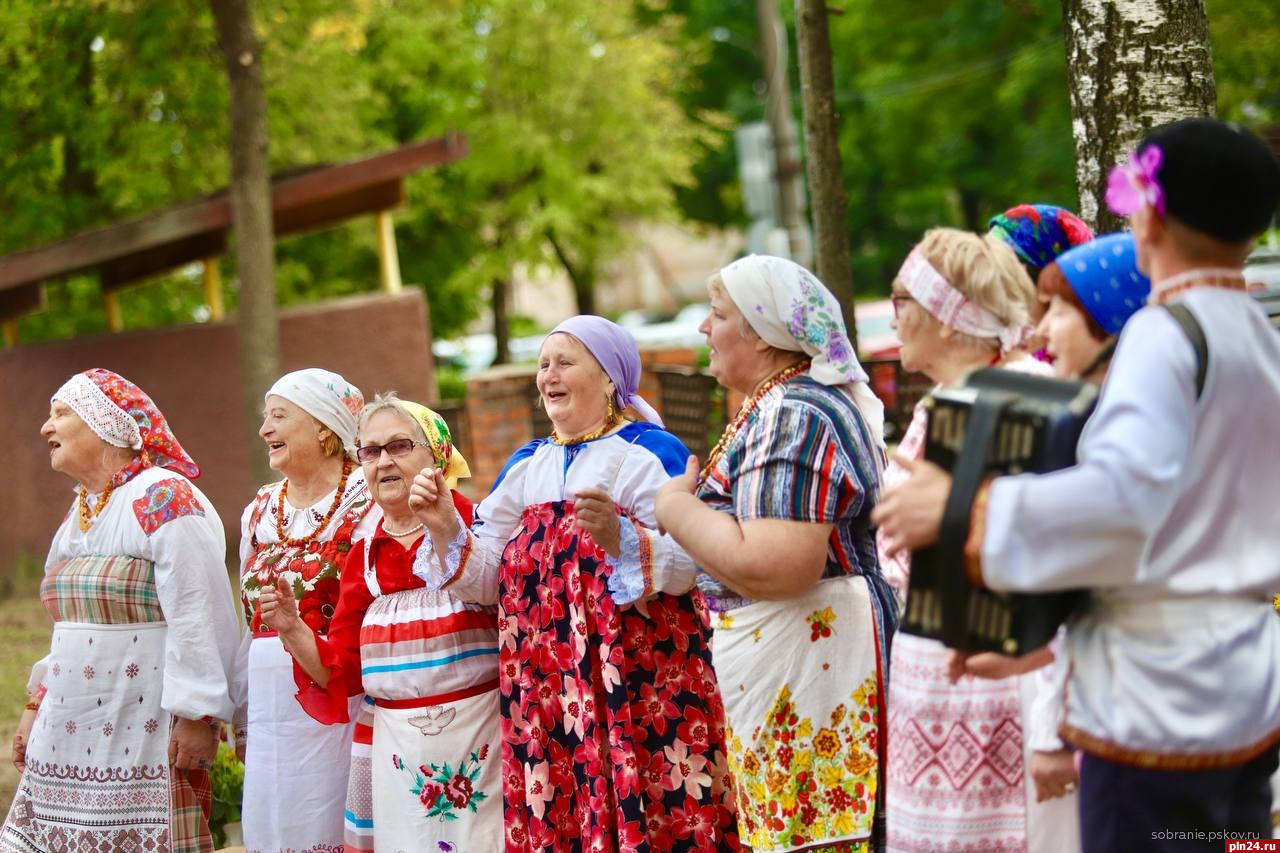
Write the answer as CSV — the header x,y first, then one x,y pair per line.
x,y
997,422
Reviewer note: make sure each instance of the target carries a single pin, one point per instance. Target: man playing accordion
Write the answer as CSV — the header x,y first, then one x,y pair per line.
x,y
1168,517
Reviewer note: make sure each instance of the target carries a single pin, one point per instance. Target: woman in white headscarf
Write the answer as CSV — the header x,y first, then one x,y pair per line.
x,y
299,529
778,521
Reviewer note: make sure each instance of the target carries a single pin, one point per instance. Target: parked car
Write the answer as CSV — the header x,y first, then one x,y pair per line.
x,y
1262,273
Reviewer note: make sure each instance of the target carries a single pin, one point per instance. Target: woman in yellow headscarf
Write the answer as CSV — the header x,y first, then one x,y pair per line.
x,y
425,765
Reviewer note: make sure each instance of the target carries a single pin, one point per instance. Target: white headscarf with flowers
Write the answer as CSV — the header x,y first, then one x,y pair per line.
x,y
327,397
790,309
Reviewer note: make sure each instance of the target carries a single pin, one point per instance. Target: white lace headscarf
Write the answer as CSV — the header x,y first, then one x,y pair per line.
x,y
790,309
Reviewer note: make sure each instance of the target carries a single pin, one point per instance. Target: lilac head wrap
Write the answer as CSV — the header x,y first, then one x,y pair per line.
x,y
615,349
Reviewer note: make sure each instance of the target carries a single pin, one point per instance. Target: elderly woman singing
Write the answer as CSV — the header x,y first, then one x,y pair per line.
x,y
778,522
612,723
116,742
424,765
301,529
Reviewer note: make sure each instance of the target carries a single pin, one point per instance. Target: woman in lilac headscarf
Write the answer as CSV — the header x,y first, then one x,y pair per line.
x,y
613,733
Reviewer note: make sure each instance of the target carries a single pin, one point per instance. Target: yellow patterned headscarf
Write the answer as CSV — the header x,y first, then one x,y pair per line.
x,y
447,457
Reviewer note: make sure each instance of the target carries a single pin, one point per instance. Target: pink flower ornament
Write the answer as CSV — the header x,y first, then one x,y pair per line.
x,y
1133,183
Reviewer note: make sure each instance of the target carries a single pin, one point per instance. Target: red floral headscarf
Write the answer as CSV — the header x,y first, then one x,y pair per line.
x,y
121,414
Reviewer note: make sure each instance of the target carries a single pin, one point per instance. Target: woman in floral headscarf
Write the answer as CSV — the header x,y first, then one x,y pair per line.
x,y
299,529
778,523
116,742
424,766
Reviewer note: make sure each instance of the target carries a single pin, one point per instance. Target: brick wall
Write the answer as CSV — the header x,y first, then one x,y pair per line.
x,y
499,413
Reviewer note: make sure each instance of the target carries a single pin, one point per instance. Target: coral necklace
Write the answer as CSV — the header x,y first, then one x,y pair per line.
x,y
749,406
1165,289
324,522
87,515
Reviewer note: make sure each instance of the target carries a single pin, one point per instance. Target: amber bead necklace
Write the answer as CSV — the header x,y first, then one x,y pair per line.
x,y
87,515
749,406
611,421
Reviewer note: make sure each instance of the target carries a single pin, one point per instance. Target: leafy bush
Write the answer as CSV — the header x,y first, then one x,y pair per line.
x,y
226,780
451,384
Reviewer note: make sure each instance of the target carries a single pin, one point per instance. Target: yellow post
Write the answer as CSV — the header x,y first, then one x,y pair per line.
x,y
10,333
212,287
115,321
388,259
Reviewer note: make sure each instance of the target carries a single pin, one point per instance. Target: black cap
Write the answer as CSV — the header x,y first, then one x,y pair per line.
x,y
1218,178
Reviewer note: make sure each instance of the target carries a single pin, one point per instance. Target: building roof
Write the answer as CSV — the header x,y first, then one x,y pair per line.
x,y
134,249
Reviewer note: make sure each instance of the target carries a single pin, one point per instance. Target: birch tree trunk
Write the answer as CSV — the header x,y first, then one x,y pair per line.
x,y
1132,65
258,331
829,203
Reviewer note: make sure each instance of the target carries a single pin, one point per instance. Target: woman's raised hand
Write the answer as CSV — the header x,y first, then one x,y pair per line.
x,y
277,606
670,500
432,502
596,514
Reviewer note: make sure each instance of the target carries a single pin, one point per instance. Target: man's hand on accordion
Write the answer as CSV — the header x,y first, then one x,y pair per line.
x,y
993,665
910,514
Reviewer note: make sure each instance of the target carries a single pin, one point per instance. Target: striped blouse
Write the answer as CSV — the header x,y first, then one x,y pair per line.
x,y
804,454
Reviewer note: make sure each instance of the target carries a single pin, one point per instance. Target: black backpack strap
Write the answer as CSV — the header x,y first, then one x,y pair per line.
x,y
1191,326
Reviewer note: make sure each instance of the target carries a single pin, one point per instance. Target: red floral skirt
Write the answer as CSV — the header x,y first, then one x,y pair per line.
x,y
613,732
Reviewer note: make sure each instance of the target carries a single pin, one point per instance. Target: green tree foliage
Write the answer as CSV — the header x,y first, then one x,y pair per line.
x,y
1246,61
568,106
952,110
581,115
953,113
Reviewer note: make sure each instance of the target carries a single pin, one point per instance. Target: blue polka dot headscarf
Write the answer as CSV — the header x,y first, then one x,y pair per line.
x,y
1104,274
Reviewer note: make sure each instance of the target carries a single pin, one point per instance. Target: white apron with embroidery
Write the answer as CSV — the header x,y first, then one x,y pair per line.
x,y
98,760
436,769
803,727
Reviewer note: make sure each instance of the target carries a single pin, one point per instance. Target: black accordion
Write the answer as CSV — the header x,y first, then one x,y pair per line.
x,y
998,422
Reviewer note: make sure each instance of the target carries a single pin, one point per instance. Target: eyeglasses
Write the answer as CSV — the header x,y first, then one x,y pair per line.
x,y
399,447
897,299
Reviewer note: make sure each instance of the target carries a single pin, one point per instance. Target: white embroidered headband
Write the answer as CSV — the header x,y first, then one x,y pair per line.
x,y
107,420
951,307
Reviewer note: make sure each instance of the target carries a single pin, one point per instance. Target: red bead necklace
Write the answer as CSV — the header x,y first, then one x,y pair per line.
x,y
347,467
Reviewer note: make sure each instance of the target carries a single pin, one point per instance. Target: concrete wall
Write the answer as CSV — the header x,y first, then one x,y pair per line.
x,y
376,342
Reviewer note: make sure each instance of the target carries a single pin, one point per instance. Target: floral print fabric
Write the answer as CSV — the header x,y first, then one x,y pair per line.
x,y
612,724
803,688
314,569
1038,233
790,309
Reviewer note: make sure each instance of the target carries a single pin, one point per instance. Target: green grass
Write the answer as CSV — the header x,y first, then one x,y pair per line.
x,y
24,635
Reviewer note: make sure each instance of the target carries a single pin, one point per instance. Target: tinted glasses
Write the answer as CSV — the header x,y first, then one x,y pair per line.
x,y
399,447
897,299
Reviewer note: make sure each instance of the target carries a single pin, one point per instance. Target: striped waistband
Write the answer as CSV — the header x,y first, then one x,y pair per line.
x,y
438,698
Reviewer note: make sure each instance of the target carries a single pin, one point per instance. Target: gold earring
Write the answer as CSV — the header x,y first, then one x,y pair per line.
x,y
611,414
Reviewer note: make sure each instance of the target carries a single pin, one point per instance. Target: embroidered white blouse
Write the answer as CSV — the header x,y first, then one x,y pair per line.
x,y
177,529
630,464
1171,519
